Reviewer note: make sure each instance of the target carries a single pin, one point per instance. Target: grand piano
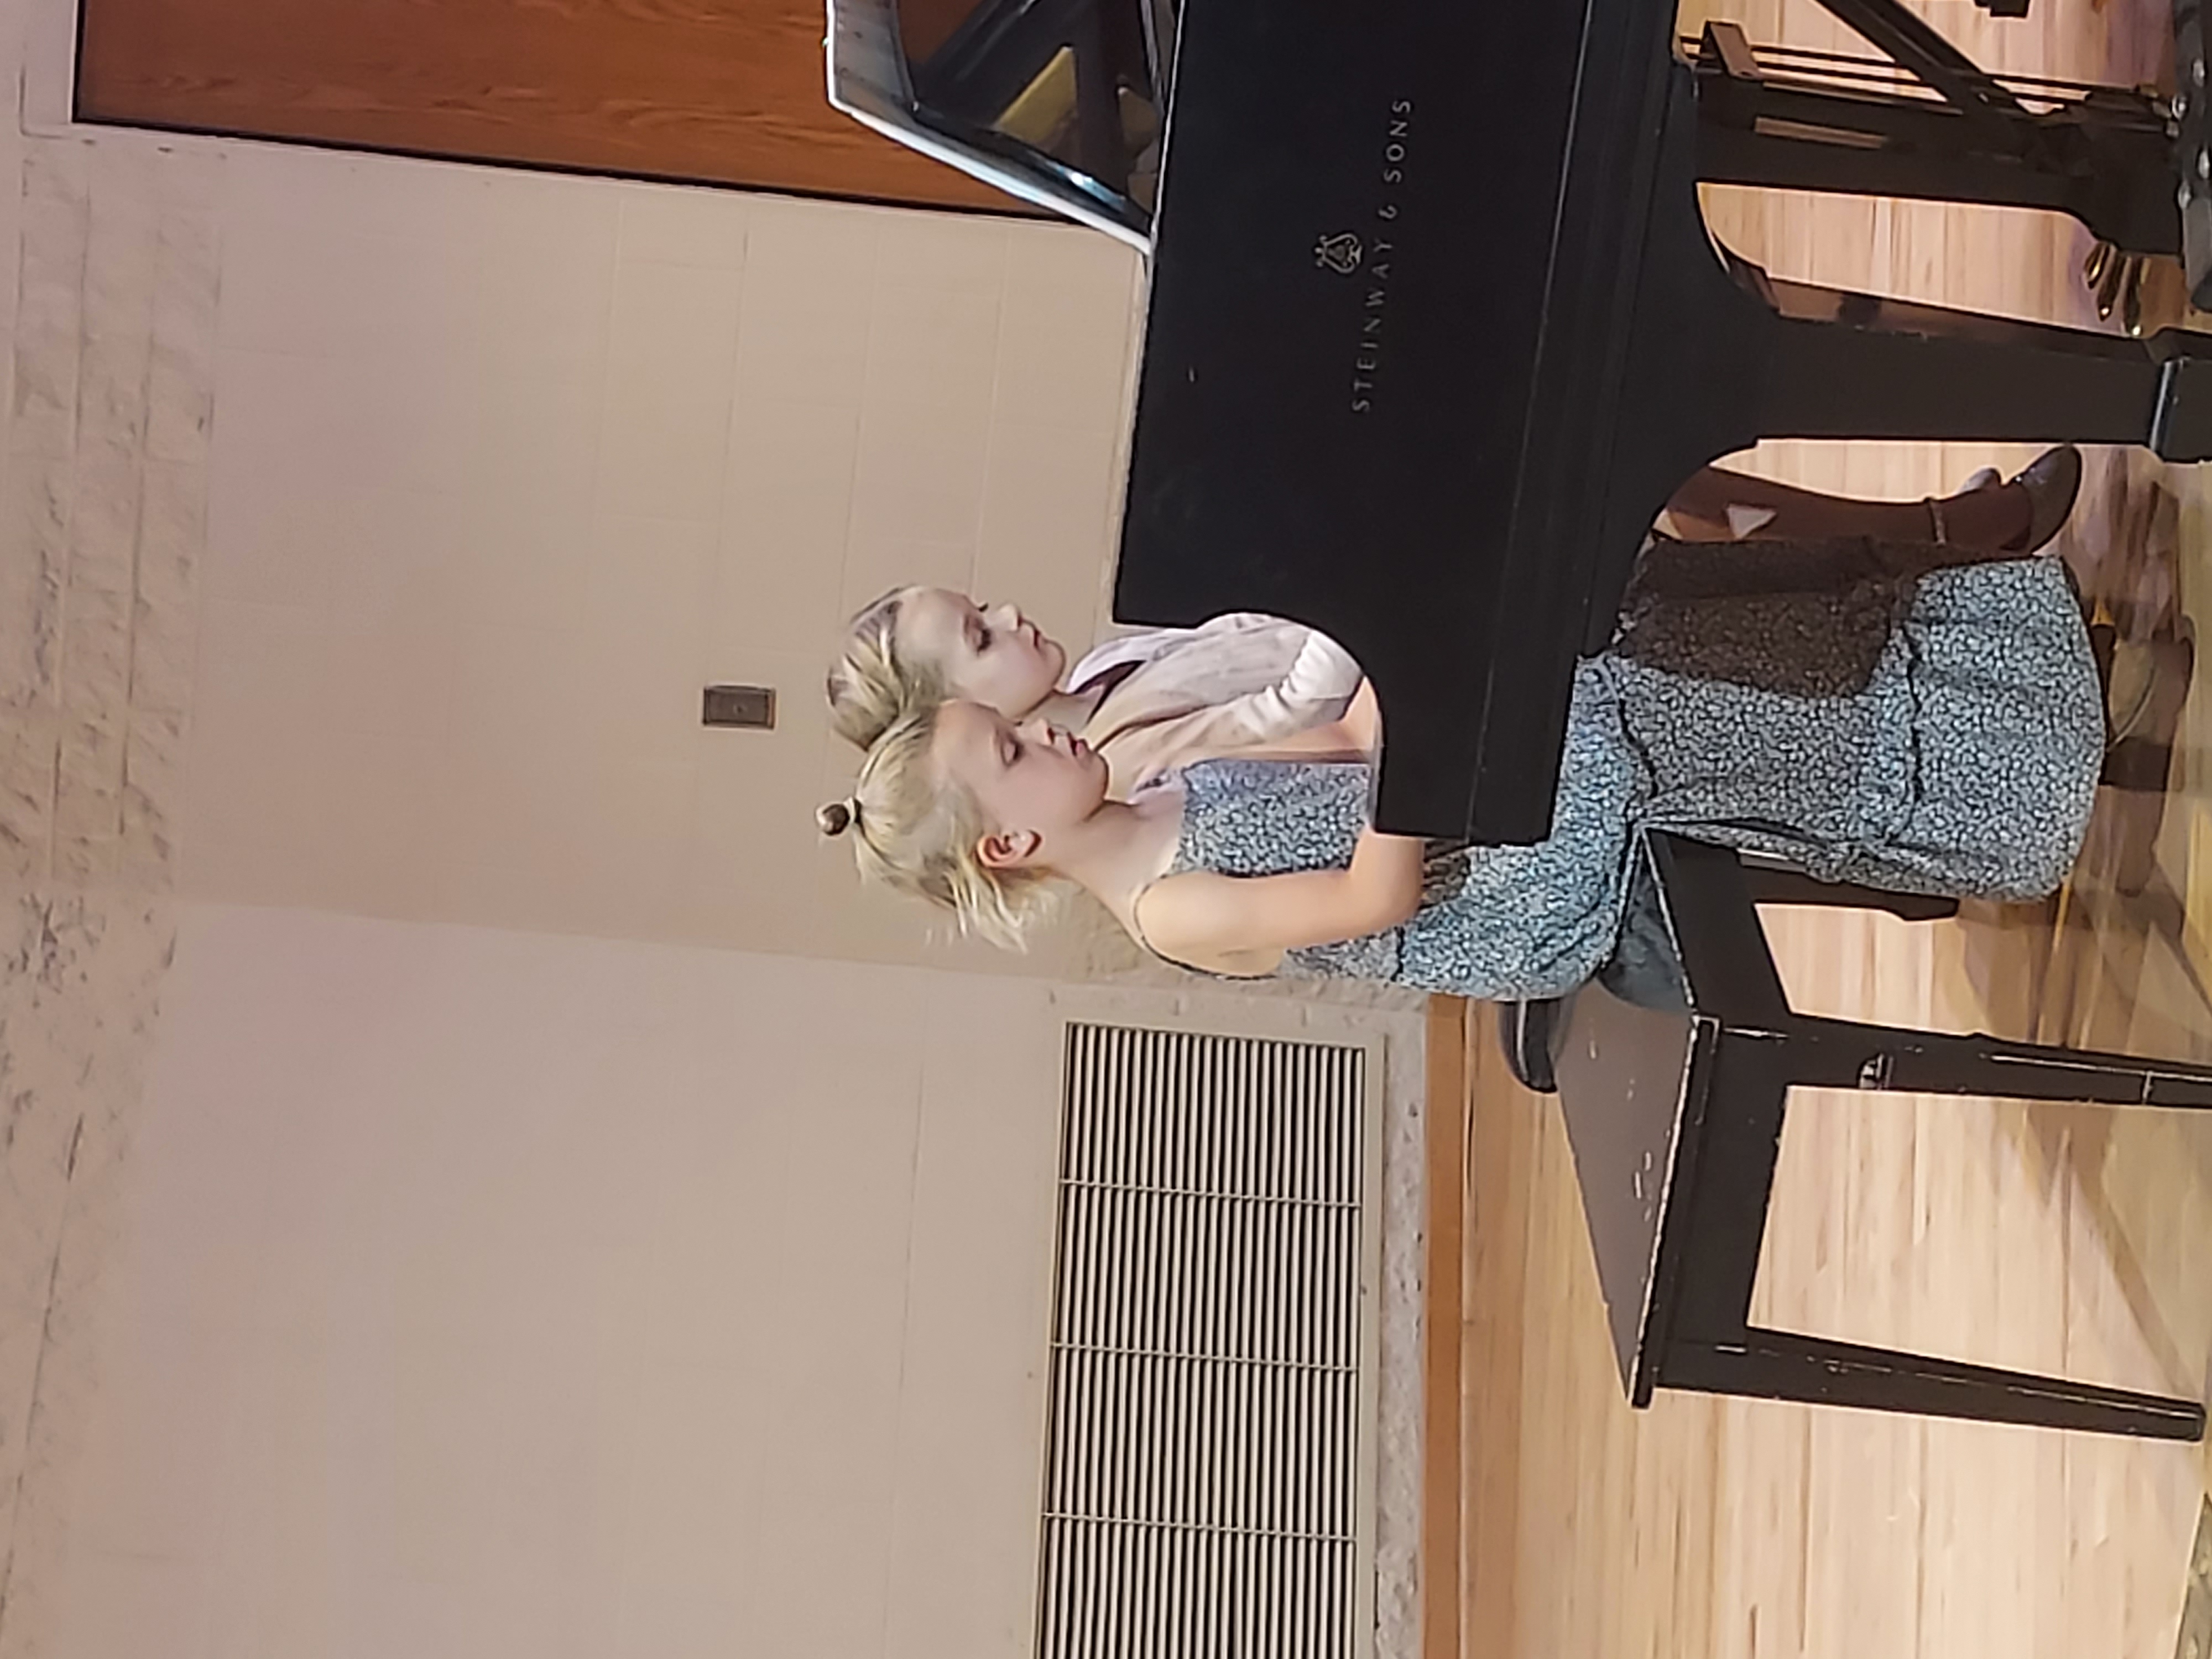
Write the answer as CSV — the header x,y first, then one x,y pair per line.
x,y
1435,326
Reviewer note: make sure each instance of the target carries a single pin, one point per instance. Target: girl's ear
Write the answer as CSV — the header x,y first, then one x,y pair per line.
x,y
1008,850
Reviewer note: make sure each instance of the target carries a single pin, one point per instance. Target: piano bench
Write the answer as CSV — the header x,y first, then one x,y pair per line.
x,y
1674,1072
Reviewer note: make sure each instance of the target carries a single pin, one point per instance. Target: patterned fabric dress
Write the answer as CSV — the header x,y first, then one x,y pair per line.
x,y
1966,766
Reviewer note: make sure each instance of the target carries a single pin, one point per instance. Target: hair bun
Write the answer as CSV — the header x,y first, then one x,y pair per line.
x,y
838,816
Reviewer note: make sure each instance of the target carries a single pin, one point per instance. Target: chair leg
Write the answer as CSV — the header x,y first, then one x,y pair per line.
x,y
1769,885
1838,1054
1780,1365
1525,1032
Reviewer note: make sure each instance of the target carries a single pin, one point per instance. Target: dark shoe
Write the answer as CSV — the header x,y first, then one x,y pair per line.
x,y
2139,760
1526,1031
2104,645
2053,483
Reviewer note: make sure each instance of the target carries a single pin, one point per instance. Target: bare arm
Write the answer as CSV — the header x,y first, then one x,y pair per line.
x,y
1202,917
1246,921
1362,721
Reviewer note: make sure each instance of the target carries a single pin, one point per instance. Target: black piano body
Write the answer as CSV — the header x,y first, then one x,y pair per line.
x,y
1435,327
1392,265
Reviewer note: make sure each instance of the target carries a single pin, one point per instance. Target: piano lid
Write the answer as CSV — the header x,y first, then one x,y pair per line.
x,y
1053,101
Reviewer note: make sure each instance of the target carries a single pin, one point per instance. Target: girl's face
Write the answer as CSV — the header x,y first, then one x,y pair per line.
x,y
1031,782
997,657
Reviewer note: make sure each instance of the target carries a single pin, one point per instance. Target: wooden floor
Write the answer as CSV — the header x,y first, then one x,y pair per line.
x,y
2059,1240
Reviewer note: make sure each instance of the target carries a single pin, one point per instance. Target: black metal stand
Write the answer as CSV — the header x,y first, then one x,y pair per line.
x,y
2192,149
1926,122
1829,363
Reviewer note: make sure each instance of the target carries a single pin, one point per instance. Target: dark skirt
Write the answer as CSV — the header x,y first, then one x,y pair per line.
x,y
1806,619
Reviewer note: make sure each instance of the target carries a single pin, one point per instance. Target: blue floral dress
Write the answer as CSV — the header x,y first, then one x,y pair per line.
x,y
1966,766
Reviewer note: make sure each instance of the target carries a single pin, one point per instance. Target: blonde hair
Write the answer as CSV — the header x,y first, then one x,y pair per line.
x,y
916,830
869,687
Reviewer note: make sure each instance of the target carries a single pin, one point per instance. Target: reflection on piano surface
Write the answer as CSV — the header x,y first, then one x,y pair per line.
x,y
1436,326
1071,80
1059,102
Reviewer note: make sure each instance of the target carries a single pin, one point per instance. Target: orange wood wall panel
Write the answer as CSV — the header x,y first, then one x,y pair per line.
x,y
714,91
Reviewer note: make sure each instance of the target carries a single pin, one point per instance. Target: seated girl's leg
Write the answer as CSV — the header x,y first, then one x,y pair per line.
x,y
1965,765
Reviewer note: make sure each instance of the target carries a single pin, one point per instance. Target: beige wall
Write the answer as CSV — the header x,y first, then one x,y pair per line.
x,y
505,468
479,1293
370,526
482,1294
367,530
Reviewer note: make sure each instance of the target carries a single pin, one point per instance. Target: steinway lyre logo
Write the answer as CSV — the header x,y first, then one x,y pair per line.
x,y
1379,256
1340,253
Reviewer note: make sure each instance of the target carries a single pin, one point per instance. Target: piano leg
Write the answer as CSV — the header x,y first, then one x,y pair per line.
x,y
1780,119
2122,191
1834,364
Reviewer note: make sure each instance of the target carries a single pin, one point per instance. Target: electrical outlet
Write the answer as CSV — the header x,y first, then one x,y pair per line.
x,y
750,708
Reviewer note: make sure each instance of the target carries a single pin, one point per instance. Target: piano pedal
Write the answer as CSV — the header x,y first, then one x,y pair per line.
x,y
2107,284
2093,267
2117,280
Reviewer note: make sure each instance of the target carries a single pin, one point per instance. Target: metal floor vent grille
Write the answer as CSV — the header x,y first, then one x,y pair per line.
x,y
1203,1458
